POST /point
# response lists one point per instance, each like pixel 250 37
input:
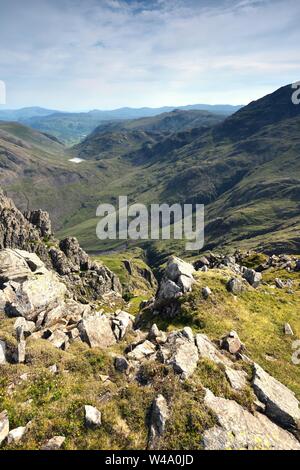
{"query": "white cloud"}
pixel 109 53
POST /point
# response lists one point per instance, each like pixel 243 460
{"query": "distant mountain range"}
pixel 73 127
pixel 245 168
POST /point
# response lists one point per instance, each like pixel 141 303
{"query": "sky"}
pixel 105 54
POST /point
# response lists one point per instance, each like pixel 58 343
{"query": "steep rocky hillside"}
pixel 208 362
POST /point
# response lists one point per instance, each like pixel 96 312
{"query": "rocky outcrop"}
pixel 41 220
pixel 31 232
pixel 17 232
pixel 39 299
pixel 238 429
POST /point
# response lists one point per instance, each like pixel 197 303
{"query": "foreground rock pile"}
pixel 40 301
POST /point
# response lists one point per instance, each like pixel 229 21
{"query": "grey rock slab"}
pixel 281 403
pixel 238 429
pixel 96 331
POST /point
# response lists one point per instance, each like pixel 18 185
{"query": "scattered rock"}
pixel 283 284
pixel 235 286
pixel 2 352
pixel 59 339
pixel 121 364
pixel 288 330
pixel 27 326
pixel 159 416
pixel 232 343
pixel 142 351
pixel 16 435
pixel 238 429
pixel 4 426
pixel 92 417
pixel 206 292
pixel 157 336
pixel 201 263
pixel 253 277
pixel 281 403
pixel 121 323
pixel 53 369
pixel 181 353
pixel 55 443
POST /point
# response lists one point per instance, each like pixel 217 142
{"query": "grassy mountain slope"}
pixel 246 171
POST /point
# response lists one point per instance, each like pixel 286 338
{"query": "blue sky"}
pixel 79 55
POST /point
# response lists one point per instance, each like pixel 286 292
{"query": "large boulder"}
pixel 281 404
pixel 238 429
pixel 37 294
pixel 13 267
pixel 177 267
pixel 95 330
